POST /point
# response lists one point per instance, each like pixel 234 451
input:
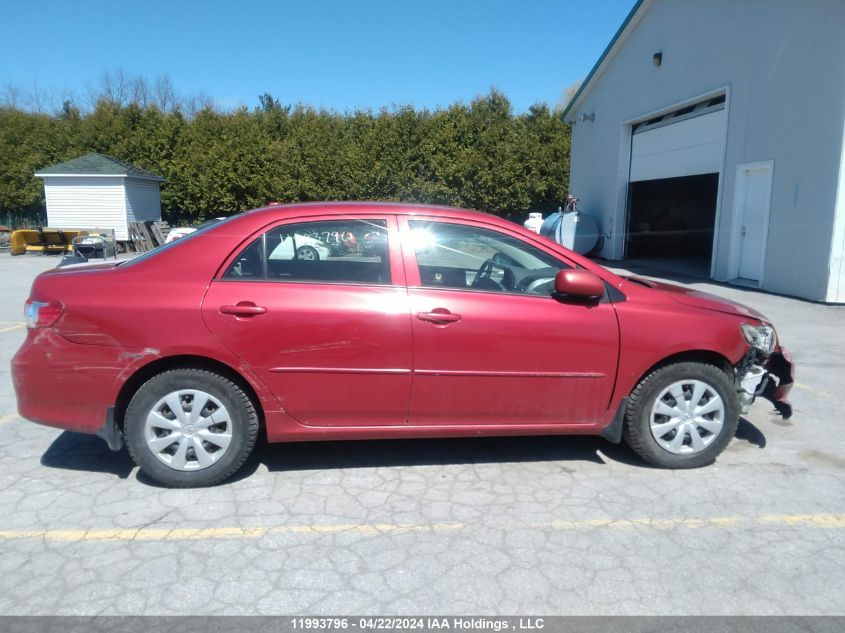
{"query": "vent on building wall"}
pixel 687 112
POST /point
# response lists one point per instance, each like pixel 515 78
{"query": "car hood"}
pixel 702 300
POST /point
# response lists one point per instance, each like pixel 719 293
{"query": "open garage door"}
pixel 676 160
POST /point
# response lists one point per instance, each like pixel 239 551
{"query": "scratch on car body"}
pixel 147 351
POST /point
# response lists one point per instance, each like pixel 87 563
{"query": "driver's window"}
pixel 472 258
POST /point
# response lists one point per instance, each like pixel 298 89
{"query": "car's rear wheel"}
pixel 308 253
pixel 682 415
pixel 190 427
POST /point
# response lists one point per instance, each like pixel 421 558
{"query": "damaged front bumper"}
pixel 771 377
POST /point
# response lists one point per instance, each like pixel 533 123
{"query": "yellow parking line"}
pixel 12 328
pixel 813 390
pixel 824 521
pixel 814 520
pixel 8 417
pixel 645 522
pixel 183 534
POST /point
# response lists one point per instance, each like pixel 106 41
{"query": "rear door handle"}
pixel 439 315
pixel 243 309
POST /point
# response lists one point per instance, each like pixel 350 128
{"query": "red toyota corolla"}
pixel 359 321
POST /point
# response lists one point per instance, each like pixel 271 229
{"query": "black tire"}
pixel 637 430
pixel 307 253
pixel 242 414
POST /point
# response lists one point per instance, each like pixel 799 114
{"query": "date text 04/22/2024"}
pixel 456 623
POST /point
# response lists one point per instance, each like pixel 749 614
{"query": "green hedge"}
pixel 477 155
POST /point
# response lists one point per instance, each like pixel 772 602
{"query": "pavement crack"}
pixel 154 521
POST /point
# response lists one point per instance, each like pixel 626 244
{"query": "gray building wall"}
pixel 782 63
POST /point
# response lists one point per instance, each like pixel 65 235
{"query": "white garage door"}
pixel 688 147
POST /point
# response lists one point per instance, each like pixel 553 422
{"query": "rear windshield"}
pixel 202 228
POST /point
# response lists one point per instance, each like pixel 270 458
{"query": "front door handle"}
pixel 243 309
pixel 439 315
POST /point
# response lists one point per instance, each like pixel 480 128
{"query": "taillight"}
pixel 42 313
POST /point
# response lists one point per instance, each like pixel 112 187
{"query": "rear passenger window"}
pixel 336 251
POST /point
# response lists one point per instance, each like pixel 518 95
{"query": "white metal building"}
pixel 99 191
pixel 712 134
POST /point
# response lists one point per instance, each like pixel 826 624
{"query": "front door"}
pixel 753 191
pixel 319 311
pixel 491 344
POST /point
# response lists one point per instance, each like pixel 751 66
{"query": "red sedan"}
pixel 431 322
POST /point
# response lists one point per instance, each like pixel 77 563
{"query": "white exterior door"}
pixel 752 203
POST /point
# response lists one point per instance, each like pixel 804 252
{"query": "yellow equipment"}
pixel 43 240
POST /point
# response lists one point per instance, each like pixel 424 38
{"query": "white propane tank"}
pixel 534 222
pixel 578 232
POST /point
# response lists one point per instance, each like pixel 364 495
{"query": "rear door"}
pixel 491 344
pixel 318 309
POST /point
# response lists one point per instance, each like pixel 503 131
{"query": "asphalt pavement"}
pixel 470 526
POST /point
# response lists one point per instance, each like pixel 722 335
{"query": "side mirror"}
pixel 578 283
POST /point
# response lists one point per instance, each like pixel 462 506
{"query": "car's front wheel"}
pixel 682 415
pixel 190 427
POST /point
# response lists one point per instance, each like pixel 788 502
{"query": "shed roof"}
pixel 95 164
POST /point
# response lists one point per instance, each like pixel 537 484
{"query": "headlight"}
pixel 761 337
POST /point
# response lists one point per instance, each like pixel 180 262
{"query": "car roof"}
pixel 396 208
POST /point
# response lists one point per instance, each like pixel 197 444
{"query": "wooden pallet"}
pixel 160 230
pixel 146 236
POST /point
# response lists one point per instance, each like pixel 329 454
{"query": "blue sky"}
pixel 339 54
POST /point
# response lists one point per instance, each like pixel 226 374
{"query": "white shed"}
pixel 99 191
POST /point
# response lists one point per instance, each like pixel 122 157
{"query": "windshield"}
pixel 202 228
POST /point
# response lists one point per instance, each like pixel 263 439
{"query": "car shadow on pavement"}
pixel 436 452
pixel 443 452
pixel 77 451
pixel 298 456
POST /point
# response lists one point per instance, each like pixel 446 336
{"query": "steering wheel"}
pixel 533 286
pixel 483 274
